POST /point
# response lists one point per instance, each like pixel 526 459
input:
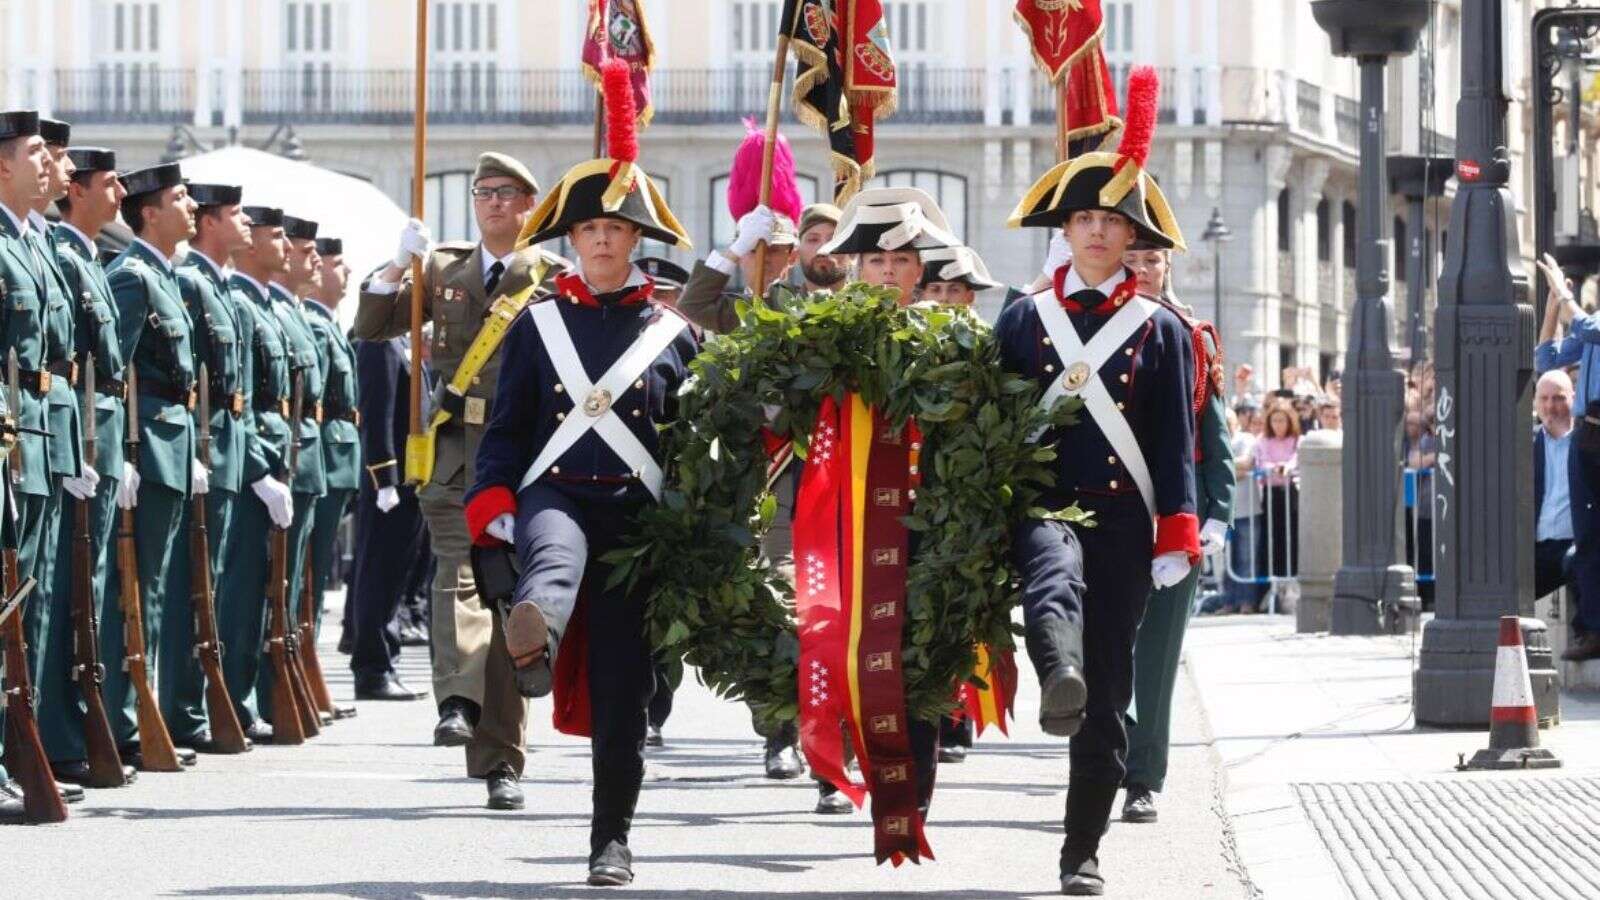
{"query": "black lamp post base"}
pixel 1453 685
pixel 1369 600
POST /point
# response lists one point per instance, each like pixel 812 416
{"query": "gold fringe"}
pixel 1089 45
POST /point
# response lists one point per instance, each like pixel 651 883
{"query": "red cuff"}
pixel 1178 532
pixel 485 506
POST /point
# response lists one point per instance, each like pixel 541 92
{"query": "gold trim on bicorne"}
pixel 550 208
pixel 1046 193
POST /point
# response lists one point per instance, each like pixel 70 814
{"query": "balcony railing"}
pixel 123 95
pixel 1044 95
pixel 1308 106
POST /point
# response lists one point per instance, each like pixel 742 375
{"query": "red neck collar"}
pixel 1123 292
pixel 571 285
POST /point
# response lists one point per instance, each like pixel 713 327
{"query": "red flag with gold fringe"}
pixel 616 30
pixel 870 78
pixel 1066 38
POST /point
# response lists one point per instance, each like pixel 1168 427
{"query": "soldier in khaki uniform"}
pixel 479 706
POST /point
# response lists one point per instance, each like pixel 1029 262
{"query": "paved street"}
pixel 372 810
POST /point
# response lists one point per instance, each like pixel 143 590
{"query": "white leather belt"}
pixel 595 400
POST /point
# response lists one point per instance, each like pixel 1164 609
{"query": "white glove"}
pixel 199 479
pixel 1059 255
pixel 388 498
pixel 1213 537
pixel 755 227
pixel 278 499
pixel 1168 569
pixel 128 488
pixel 415 241
pixel 502 528
pixel 84 485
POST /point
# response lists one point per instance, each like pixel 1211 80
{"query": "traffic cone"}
pixel 1513 721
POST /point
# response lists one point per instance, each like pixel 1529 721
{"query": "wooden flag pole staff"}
pixel 769 147
pixel 419 164
pixel 1062 148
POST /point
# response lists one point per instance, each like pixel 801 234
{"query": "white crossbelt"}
pixel 594 401
pixel 1092 390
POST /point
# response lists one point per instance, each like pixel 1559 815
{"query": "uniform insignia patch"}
pixel 476 411
pixel 1077 376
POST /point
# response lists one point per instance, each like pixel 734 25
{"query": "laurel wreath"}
pixel 713 603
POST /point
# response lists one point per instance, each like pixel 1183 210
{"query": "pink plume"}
pixel 744 179
pixel 1144 94
pixel 616 83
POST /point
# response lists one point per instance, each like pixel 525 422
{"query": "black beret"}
pixel 92 159
pixel 55 132
pixel 216 194
pixel 264 216
pixel 153 179
pixel 330 246
pixel 18 123
pixel 299 229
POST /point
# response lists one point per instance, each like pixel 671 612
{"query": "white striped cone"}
pixel 1513 720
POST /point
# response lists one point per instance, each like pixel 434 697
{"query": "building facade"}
pixel 1259 120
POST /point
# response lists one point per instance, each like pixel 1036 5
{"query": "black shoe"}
pixel 831 801
pixel 1080 876
pixel 12 810
pixel 71 793
pixel 384 686
pixel 71 772
pixel 504 793
pixel 347 711
pixel 953 754
pixel 612 866
pixel 1061 701
pixel 456 715
pixel 201 743
pixel 259 732
pixel 652 736
pixel 783 762
pixel 1139 805
pixel 186 757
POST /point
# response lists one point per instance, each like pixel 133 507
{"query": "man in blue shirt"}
pixel 1580 346
pixel 1552 440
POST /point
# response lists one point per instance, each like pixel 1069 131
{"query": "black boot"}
pixel 611 865
pixel 1088 813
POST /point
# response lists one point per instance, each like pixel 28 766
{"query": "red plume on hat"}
pixel 1144 96
pixel 622 135
pixel 744 179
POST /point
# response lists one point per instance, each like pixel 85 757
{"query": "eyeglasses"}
pixel 506 192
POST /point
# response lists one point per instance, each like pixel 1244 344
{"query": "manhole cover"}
pixel 1467 838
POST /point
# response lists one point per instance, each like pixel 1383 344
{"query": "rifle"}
pixel 310 716
pixel 155 742
pixel 105 766
pixel 41 801
pixel 225 728
pixel 308 643
pixel 287 727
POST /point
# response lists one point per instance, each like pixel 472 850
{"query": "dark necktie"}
pixel 1088 298
pixel 495 271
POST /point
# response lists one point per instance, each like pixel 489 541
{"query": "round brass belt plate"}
pixel 1077 376
pixel 596 404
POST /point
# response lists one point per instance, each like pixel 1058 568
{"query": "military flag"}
pixel 819 85
pixel 870 80
pixel 616 30
pixel 1066 37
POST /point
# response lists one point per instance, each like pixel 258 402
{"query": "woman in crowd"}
pixel 1277 454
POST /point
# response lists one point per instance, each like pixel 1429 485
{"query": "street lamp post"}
pixel 1371 589
pixel 1217 233
pixel 1483 355
pixel 1418 178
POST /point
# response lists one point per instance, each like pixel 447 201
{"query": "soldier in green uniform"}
pixel 306 362
pixel 1166 615
pixel 27 286
pixel 341 439
pixel 157 336
pixel 220 229
pixel 242 583
pixel 91 203
pixel 479 707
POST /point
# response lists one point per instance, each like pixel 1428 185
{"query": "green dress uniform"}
pixel 1166 617
pixel 341 445
pixel 95 331
pixel 53 656
pixel 217 345
pixel 242 584
pixel 158 334
pixel 309 480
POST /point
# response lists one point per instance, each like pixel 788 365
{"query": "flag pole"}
pixel 419 164
pixel 774 100
pixel 1062 148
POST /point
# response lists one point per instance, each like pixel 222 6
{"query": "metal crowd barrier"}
pixel 1421 498
pixel 1257 561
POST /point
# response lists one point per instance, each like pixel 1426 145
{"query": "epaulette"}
pixel 455 247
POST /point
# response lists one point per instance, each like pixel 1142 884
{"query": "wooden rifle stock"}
pixel 287 723
pixel 308 643
pixel 105 765
pixel 226 731
pixel 41 802
pixel 155 742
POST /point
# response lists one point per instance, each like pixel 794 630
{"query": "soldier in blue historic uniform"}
pixel 307 364
pixel 242 585
pixel 389 525
pixel 91 203
pixel 341 417
pixel 221 229
pixel 563 491
pixel 1129 460
pixel 157 335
